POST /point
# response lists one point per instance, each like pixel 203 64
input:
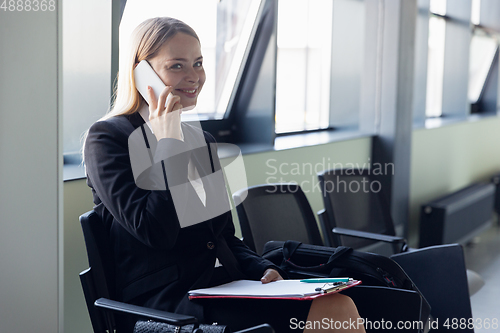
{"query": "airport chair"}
pixel 107 314
pixel 276 212
pixel 440 274
pixel 496 181
pixel 280 212
pixel 358 216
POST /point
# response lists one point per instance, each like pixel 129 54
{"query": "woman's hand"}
pixel 165 120
pixel 270 275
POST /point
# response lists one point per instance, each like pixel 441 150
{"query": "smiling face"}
pixel 179 64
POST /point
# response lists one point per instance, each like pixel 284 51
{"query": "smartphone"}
pixel 145 76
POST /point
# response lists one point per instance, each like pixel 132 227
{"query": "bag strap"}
pixel 290 247
pixel 390 270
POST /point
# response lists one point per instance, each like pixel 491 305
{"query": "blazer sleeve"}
pixel 250 262
pixel 149 215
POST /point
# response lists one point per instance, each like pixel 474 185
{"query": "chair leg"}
pixel 474 281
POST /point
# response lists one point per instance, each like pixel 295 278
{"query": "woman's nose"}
pixel 192 75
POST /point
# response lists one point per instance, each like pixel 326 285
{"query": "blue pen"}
pixel 326 280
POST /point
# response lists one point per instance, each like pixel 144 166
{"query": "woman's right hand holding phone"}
pixel 165 114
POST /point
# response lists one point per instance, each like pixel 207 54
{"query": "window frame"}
pixel 459 31
pixel 486 103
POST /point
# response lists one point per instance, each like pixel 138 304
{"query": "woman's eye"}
pixel 176 66
pixel 198 64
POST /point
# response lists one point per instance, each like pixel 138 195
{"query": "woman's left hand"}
pixel 270 275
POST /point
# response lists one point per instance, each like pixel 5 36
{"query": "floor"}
pixel 483 257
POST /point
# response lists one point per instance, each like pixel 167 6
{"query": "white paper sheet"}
pixel 282 288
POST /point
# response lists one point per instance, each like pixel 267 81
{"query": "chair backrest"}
pixel 97 281
pixel 277 212
pixel 354 199
pixel 440 274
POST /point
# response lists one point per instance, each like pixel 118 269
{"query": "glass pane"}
pixel 348 59
pixel 482 53
pixel 86 80
pixel 303 65
pixel 224 29
pixel 438 7
pixel 476 12
pixel 435 67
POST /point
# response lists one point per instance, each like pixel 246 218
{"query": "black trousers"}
pixel 239 314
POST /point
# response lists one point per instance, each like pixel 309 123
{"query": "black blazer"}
pixel 153 254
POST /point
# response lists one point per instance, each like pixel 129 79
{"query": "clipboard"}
pixel 283 289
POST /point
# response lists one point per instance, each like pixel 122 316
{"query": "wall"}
pixel 448 158
pixel 30 172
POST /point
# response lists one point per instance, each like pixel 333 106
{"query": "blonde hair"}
pixel 146 41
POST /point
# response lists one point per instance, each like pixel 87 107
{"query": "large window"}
pixel 483 65
pixel 483 59
pixel 462 72
pixel 320 66
pixel 224 29
pixel 303 65
pixel 435 69
pixel 437 28
pixel 483 49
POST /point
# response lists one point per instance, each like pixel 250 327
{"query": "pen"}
pixel 326 280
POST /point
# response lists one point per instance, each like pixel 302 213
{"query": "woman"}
pixel 159 257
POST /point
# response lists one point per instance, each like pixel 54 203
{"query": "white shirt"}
pixel 193 175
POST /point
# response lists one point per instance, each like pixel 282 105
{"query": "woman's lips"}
pixel 190 92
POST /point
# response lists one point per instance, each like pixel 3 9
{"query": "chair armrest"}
pixel 323 222
pixel 140 311
pixel 167 317
pixel 263 328
pixel 369 235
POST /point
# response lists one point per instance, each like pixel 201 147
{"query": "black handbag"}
pixel 149 326
pixel 304 260
pixel 301 261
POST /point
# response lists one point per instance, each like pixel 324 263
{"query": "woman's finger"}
pixel 177 106
pixel 163 99
pixel 270 275
pixel 152 99
pixel 171 101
